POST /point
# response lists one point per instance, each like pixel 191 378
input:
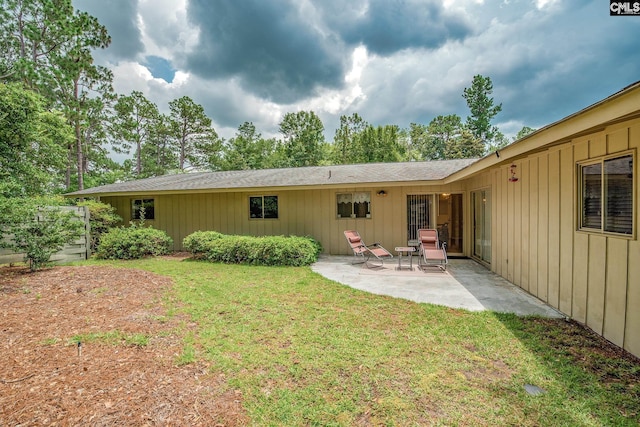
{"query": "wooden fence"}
pixel 76 251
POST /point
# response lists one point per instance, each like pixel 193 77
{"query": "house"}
pixel 555 213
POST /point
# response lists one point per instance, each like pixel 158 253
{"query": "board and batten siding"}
pixel 309 212
pixel 591 277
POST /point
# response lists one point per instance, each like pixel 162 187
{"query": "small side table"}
pixel 406 251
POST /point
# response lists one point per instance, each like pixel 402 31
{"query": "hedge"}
pixel 198 243
pixel 267 250
pixel 133 242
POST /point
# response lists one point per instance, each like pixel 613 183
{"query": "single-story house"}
pixel 555 213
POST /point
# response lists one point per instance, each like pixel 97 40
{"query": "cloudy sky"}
pixel 391 61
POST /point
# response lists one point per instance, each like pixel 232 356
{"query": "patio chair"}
pixel 365 252
pixel 431 252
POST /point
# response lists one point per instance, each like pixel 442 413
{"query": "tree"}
pixel 197 141
pixel 381 144
pixel 465 146
pixel 303 138
pixel 159 154
pixel 32 142
pixel 526 130
pixel 133 125
pixel 47 45
pixel 433 140
pixel 37 228
pixel 83 94
pixel 247 150
pixel 499 141
pixel 482 109
pixel 346 141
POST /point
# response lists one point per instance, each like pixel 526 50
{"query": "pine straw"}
pixel 46 380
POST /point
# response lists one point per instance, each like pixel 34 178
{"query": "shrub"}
pixel 102 217
pixel 198 243
pixel 36 228
pixel 316 244
pixel 268 250
pixel 133 242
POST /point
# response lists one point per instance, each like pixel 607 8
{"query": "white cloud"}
pixel 541 4
pixel 546 59
pixel 130 76
pixel 165 29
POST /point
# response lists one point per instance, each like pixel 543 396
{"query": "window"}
pixel 142 208
pixel 265 207
pixel 606 195
pixel 354 205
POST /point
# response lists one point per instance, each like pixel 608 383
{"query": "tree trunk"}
pixel 67 178
pixel 182 153
pixel 78 133
pixel 138 158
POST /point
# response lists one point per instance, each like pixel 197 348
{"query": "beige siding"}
pixel 525 229
pixel 553 288
pixel 580 277
pixel 616 291
pixel 596 266
pixel 566 241
pixel 592 277
pixel 632 324
pixel 543 228
pixel 532 189
pixel 517 226
pixel 309 212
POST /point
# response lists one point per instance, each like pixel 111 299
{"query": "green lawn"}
pixel 303 350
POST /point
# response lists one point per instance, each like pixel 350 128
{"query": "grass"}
pixel 303 350
pixel 112 338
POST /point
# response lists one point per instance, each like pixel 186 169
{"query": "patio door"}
pixel 419 208
pixel 449 221
pixel 481 205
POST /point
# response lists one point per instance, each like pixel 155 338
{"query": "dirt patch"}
pixel 125 373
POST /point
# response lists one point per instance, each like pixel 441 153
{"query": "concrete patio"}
pixel 466 284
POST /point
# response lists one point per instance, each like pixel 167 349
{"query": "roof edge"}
pixel 556 133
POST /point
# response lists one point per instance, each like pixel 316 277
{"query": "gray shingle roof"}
pixel 290 177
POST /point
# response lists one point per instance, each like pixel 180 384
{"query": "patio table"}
pixel 406 251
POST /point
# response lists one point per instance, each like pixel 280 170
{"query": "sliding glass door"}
pixel 449 221
pixel 440 211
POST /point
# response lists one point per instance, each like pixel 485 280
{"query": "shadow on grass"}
pixel 583 366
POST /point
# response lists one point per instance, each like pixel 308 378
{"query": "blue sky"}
pixel 390 61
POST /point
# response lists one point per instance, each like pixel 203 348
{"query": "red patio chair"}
pixel 365 252
pixel 431 252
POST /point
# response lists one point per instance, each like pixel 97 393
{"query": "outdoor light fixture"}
pixel 382 193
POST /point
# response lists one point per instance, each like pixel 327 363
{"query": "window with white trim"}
pixel 607 195
pixel 353 205
pixel 263 207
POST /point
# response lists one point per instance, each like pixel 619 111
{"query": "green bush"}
pixel 133 242
pixel 102 217
pixel 198 243
pixel 268 250
pixel 37 228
